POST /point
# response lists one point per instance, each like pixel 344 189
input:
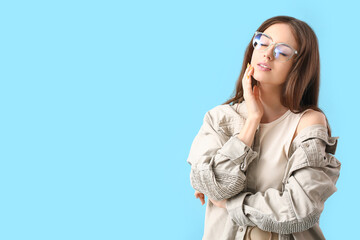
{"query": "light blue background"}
pixel 100 102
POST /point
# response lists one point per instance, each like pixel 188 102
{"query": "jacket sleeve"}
pixel 218 162
pixel 309 182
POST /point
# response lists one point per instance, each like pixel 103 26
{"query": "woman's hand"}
pixel 201 196
pixel 252 96
pixel 220 204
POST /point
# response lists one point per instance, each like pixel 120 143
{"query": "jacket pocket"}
pixel 230 128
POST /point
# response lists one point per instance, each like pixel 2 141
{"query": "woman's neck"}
pixel 270 99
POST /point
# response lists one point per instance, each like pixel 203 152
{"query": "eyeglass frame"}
pixel 276 44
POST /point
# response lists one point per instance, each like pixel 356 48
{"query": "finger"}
pixel 248 84
pixel 256 91
pixel 251 71
pixel 247 69
pixel 248 66
pixel 247 72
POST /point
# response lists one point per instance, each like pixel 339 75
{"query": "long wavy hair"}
pixel 300 91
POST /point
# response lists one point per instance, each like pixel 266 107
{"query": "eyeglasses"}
pixel 282 52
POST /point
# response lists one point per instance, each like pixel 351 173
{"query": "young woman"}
pixel 265 158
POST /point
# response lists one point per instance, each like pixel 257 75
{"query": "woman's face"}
pixel 279 32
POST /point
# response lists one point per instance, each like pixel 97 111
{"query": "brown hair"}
pixel 301 89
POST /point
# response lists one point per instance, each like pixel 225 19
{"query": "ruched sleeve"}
pixel 310 180
pixel 218 162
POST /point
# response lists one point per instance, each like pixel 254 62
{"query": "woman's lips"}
pixel 263 69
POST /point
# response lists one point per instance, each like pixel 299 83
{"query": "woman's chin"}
pixel 259 78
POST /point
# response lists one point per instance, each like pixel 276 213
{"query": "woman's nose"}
pixel 269 53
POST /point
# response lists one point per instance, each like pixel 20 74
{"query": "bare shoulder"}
pixel 309 118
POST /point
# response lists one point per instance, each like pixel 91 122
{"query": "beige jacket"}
pixel 219 160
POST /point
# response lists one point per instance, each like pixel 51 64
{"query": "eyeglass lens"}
pixel 281 52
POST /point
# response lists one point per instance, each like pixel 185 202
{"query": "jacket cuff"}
pixel 234 206
pixel 238 152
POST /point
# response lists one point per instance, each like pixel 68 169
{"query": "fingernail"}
pixel 247 65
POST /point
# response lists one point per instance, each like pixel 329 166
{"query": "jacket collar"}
pixel 316 131
pixel 232 122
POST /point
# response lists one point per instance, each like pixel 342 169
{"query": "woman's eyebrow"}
pixel 269 36
pixel 278 41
